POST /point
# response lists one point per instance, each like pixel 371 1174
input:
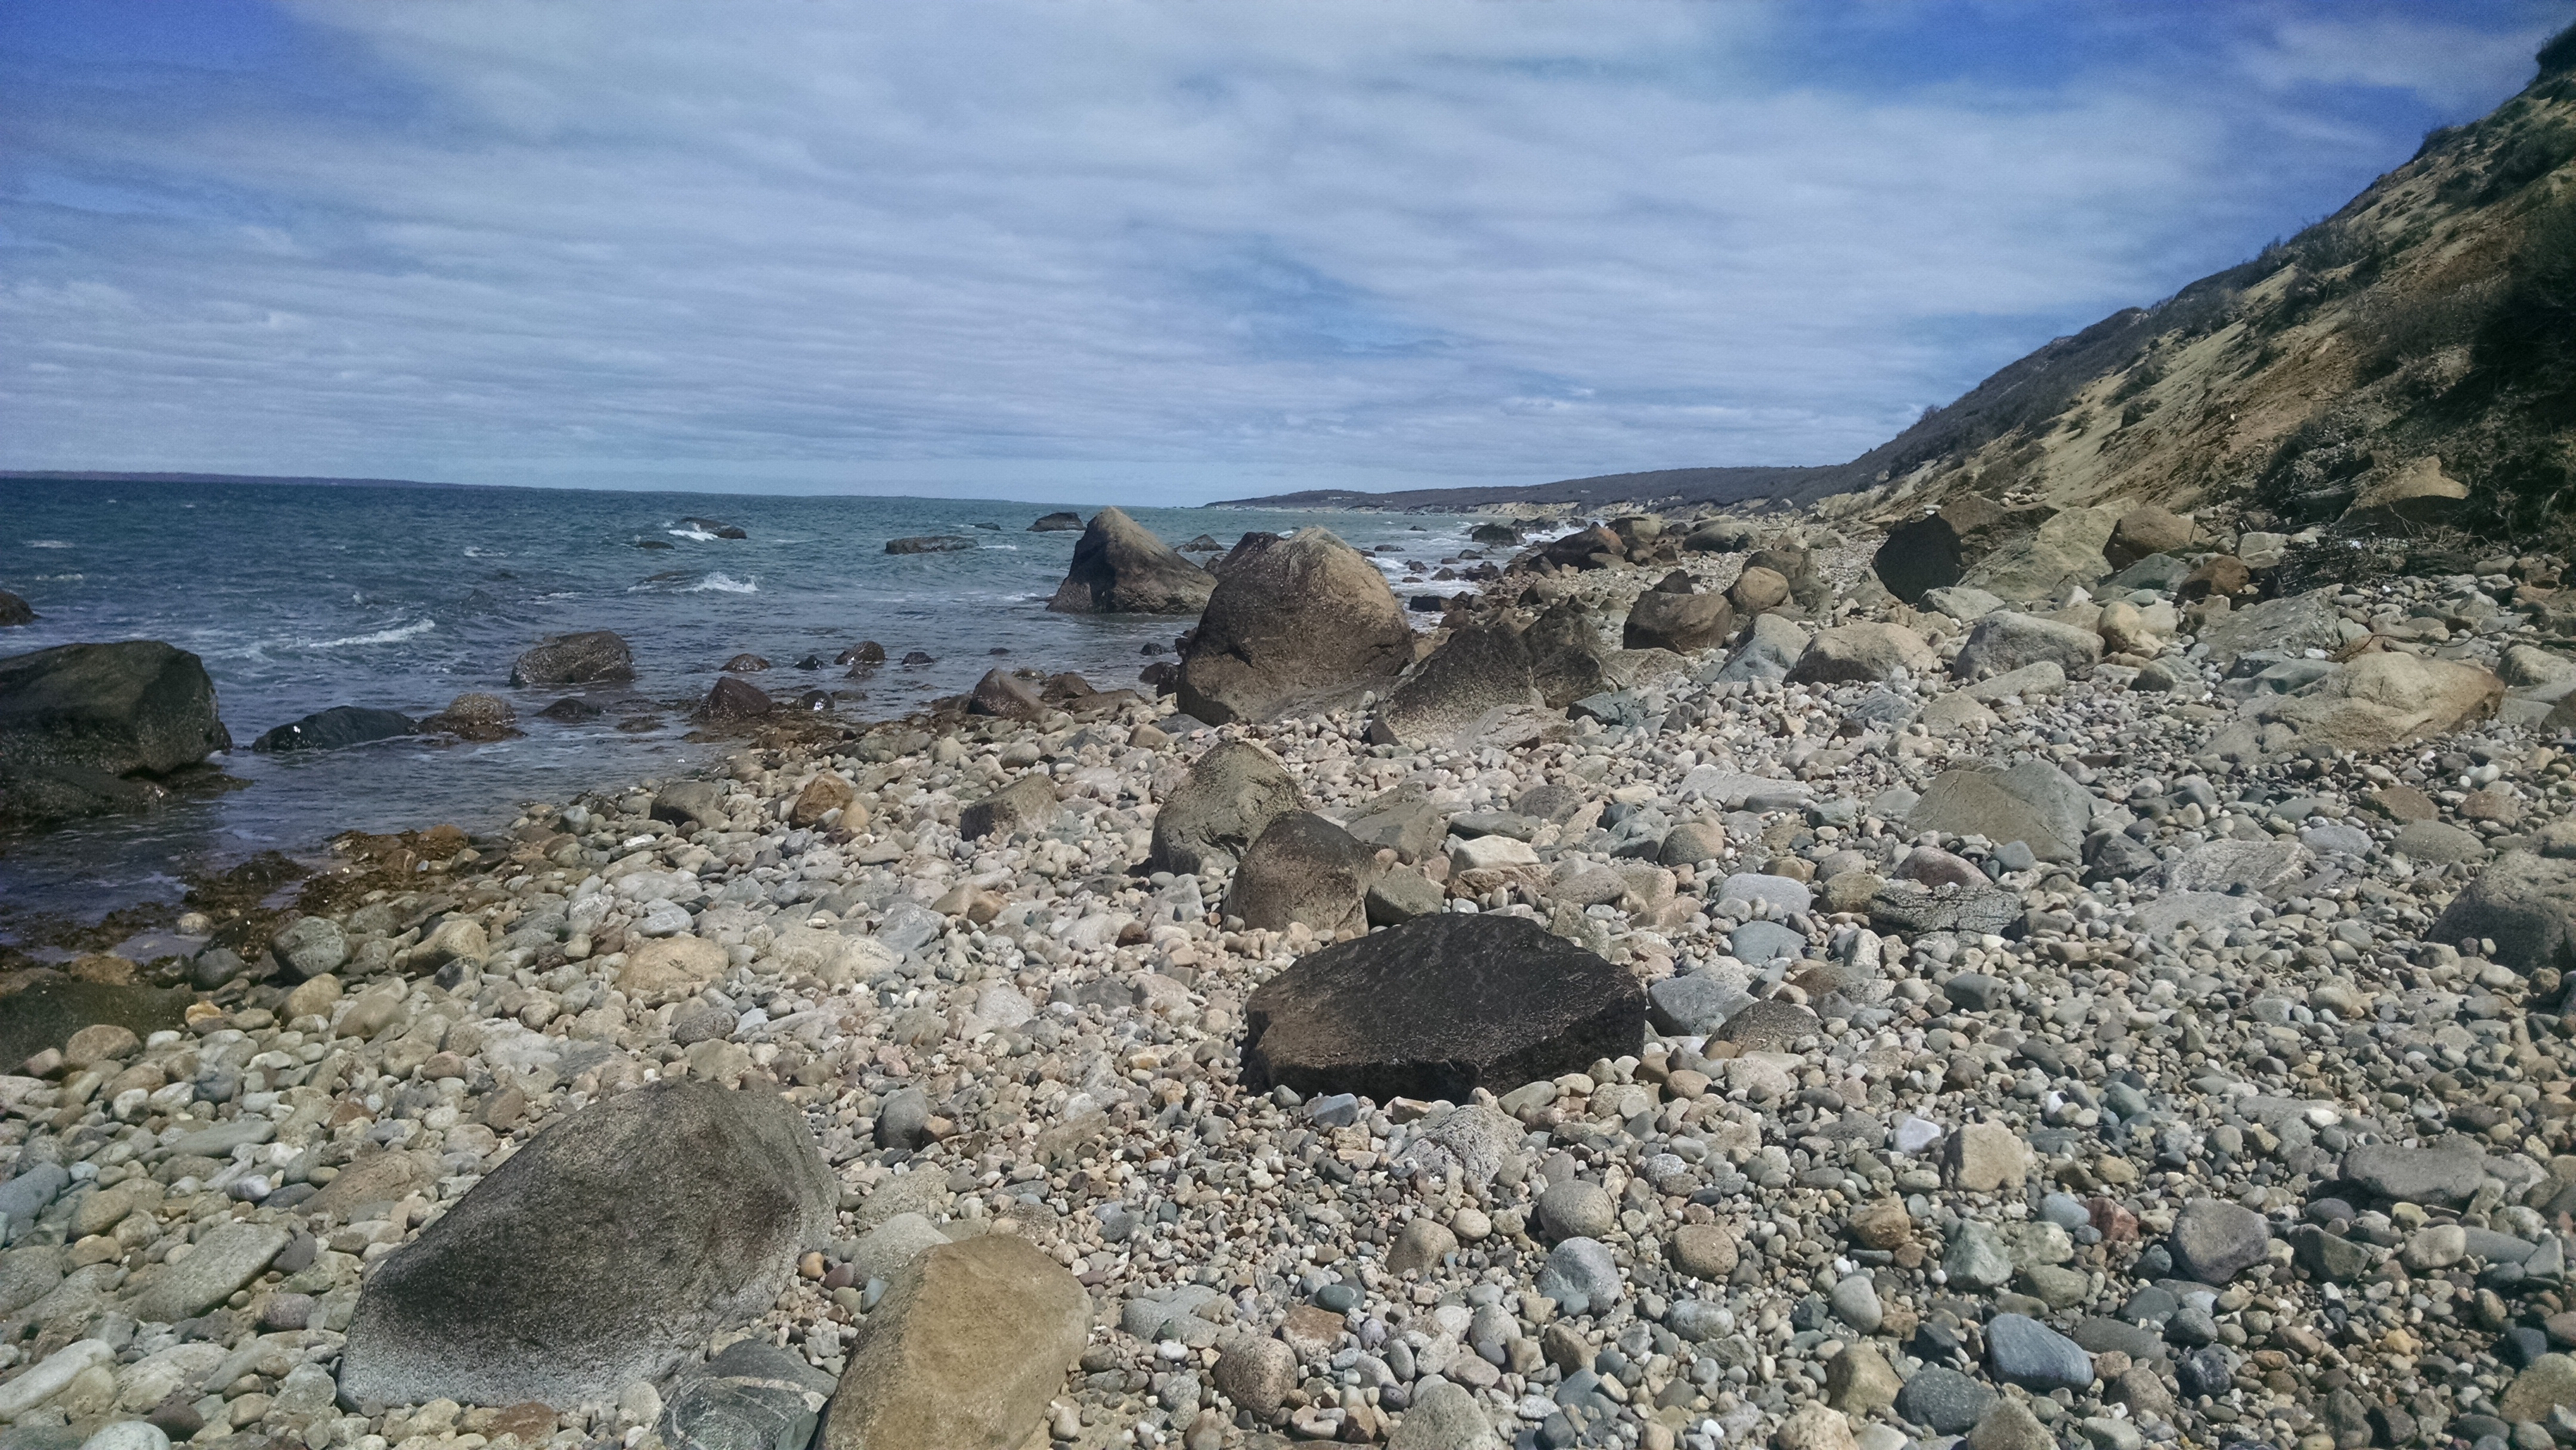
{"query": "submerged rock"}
pixel 338 728
pixel 590 657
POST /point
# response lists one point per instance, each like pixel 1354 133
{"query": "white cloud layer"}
pixel 1178 248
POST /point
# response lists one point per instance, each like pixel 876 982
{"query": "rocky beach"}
pixel 2081 977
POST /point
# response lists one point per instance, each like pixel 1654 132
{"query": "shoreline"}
pixel 1857 1150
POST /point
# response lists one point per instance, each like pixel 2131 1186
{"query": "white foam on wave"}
pixel 701 535
pixel 725 584
pixel 472 552
pixel 48 544
pixel 394 635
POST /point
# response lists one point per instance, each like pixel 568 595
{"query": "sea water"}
pixel 302 597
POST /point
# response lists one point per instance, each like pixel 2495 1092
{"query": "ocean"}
pixel 302 597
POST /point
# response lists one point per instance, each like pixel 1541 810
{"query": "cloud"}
pixel 1171 245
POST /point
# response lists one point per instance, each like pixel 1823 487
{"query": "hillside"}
pixel 2435 314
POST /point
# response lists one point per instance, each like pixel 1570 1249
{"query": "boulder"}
pixel 2413 494
pixel 1860 653
pixel 751 1395
pixel 83 727
pixel 736 699
pixel 1568 659
pixel 14 611
pixel 827 792
pixel 607 1250
pixel 338 728
pixel 1682 623
pixel 2289 625
pixel 1796 564
pixel 1919 556
pixel 1494 534
pixel 1593 548
pixel 970 1343
pixel 1403 819
pixel 2065 550
pixel 2526 903
pixel 2145 531
pixel 574 659
pixel 1025 805
pixel 2033 802
pixel 475 715
pixel 930 544
pixel 1063 521
pixel 1303 868
pixel 1480 670
pixel 1294 624
pixel 1757 589
pixel 1771 645
pixel 2004 641
pixel 1119 567
pixel 1437 1006
pixel 49 1012
pixel 1233 794
pixel 691 803
pixel 2379 701
pixel 998 695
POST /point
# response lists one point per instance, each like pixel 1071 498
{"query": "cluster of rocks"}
pixel 1691 997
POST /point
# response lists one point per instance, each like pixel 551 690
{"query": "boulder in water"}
pixel 84 728
pixel 1119 567
pixel 14 610
pixel 338 728
pixel 572 709
pixel 586 658
pixel 736 699
pixel 1062 521
pixel 746 664
pixel 607 1250
pixel 1437 1006
pixel 1203 544
pixel 717 527
pixel 1494 534
pixel 1294 624
pixel 475 716
pixel 930 544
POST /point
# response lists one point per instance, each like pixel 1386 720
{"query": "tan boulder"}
pixel 2145 530
pixel 1295 624
pixel 2415 492
pixel 972 1341
pixel 824 794
pixel 670 969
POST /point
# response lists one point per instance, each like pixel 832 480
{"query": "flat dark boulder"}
pixel 1061 522
pixel 716 527
pixel 585 658
pixel 930 544
pixel 338 728
pixel 14 610
pixel 138 706
pixel 734 698
pixel 1437 1006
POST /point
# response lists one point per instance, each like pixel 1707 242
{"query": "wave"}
pixel 48 544
pixel 724 584
pixel 383 636
pixel 701 535
pixel 471 552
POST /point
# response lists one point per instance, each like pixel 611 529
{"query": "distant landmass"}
pixel 1656 487
pixel 65 475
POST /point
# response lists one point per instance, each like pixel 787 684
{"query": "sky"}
pixel 1150 252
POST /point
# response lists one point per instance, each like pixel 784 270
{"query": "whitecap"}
pixel 725 584
pixel 701 535
pixel 383 636
pixel 471 552
pixel 48 544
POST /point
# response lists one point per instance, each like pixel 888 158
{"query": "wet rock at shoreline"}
pixel 591 657
pixel 1119 567
pixel 86 728
pixel 14 611
pixel 338 728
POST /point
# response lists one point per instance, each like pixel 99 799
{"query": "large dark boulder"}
pixel 607 1250
pixel 1440 1005
pixel 1592 548
pixel 1568 659
pixel 338 728
pixel 1233 794
pixel 1295 624
pixel 1919 556
pixel 1001 696
pixel 85 727
pixel 1064 521
pixel 734 698
pixel 14 610
pixel 1479 669
pixel 1303 868
pixel 1119 567
pixel 586 658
